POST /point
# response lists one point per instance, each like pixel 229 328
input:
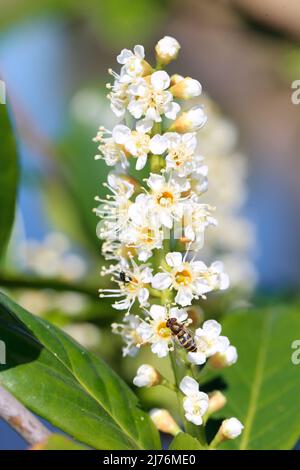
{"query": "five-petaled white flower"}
pixel 195 403
pixel 134 286
pixel 163 200
pixel 181 156
pixel 128 331
pixel 208 342
pixel 191 279
pixel 151 99
pixel 154 329
pixel 138 143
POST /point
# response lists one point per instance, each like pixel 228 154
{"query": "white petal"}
pixel 179 313
pixel 144 125
pixel 195 419
pixel 141 162
pixel 173 110
pixel 158 312
pixel 161 281
pixel 196 358
pixel 124 56
pixel 211 328
pixel 160 348
pixel 184 296
pixel 121 133
pixel 174 259
pixel 139 51
pixel 143 295
pixel 160 80
pixel 158 144
pixel 188 386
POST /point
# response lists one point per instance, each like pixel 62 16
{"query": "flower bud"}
pixel 146 376
pixel 189 121
pixel 186 88
pixel 230 428
pixel 216 402
pixel 224 359
pixel 166 50
pixel 176 78
pixel 164 422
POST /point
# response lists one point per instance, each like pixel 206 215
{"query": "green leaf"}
pixel 8 178
pixel 70 387
pixel 184 441
pixel 58 442
pixel 264 385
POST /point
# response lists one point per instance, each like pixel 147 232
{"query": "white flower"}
pixel 146 376
pixel 134 287
pixel 150 98
pixel 208 342
pixel 163 201
pixel 109 146
pixel 164 422
pixel 195 403
pixel 138 143
pixel 190 121
pixel 224 359
pixel 133 63
pixel 154 329
pixel 191 279
pixel 197 217
pixel 114 209
pixel 128 331
pixel 231 428
pixel 186 88
pixel 167 49
pixel 181 154
pixel 142 234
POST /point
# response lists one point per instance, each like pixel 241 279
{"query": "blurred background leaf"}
pixel 8 178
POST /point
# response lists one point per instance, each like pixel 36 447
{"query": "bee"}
pixel 124 278
pixel 183 336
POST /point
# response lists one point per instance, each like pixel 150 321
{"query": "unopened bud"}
pixel 216 402
pixel 224 359
pixel 190 121
pixel 164 422
pixel 146 376
pixel 166 50
pixel 231 428
pixel 186 89
pixel 176 78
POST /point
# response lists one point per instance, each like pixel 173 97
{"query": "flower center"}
pixel 163 331
pixel 166 198
pixel 183 277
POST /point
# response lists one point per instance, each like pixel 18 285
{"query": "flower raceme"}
pixel 150 225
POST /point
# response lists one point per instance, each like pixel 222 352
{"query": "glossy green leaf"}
pixel 184 441
pixel 58 442
pixel 264 385
pixel 70 387
pixel 8 178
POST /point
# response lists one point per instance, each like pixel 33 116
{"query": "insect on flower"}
pixel 183 335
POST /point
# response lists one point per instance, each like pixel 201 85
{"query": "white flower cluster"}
pixel 150 227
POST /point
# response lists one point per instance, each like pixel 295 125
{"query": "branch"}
pixel 21 419
pixel 17 281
